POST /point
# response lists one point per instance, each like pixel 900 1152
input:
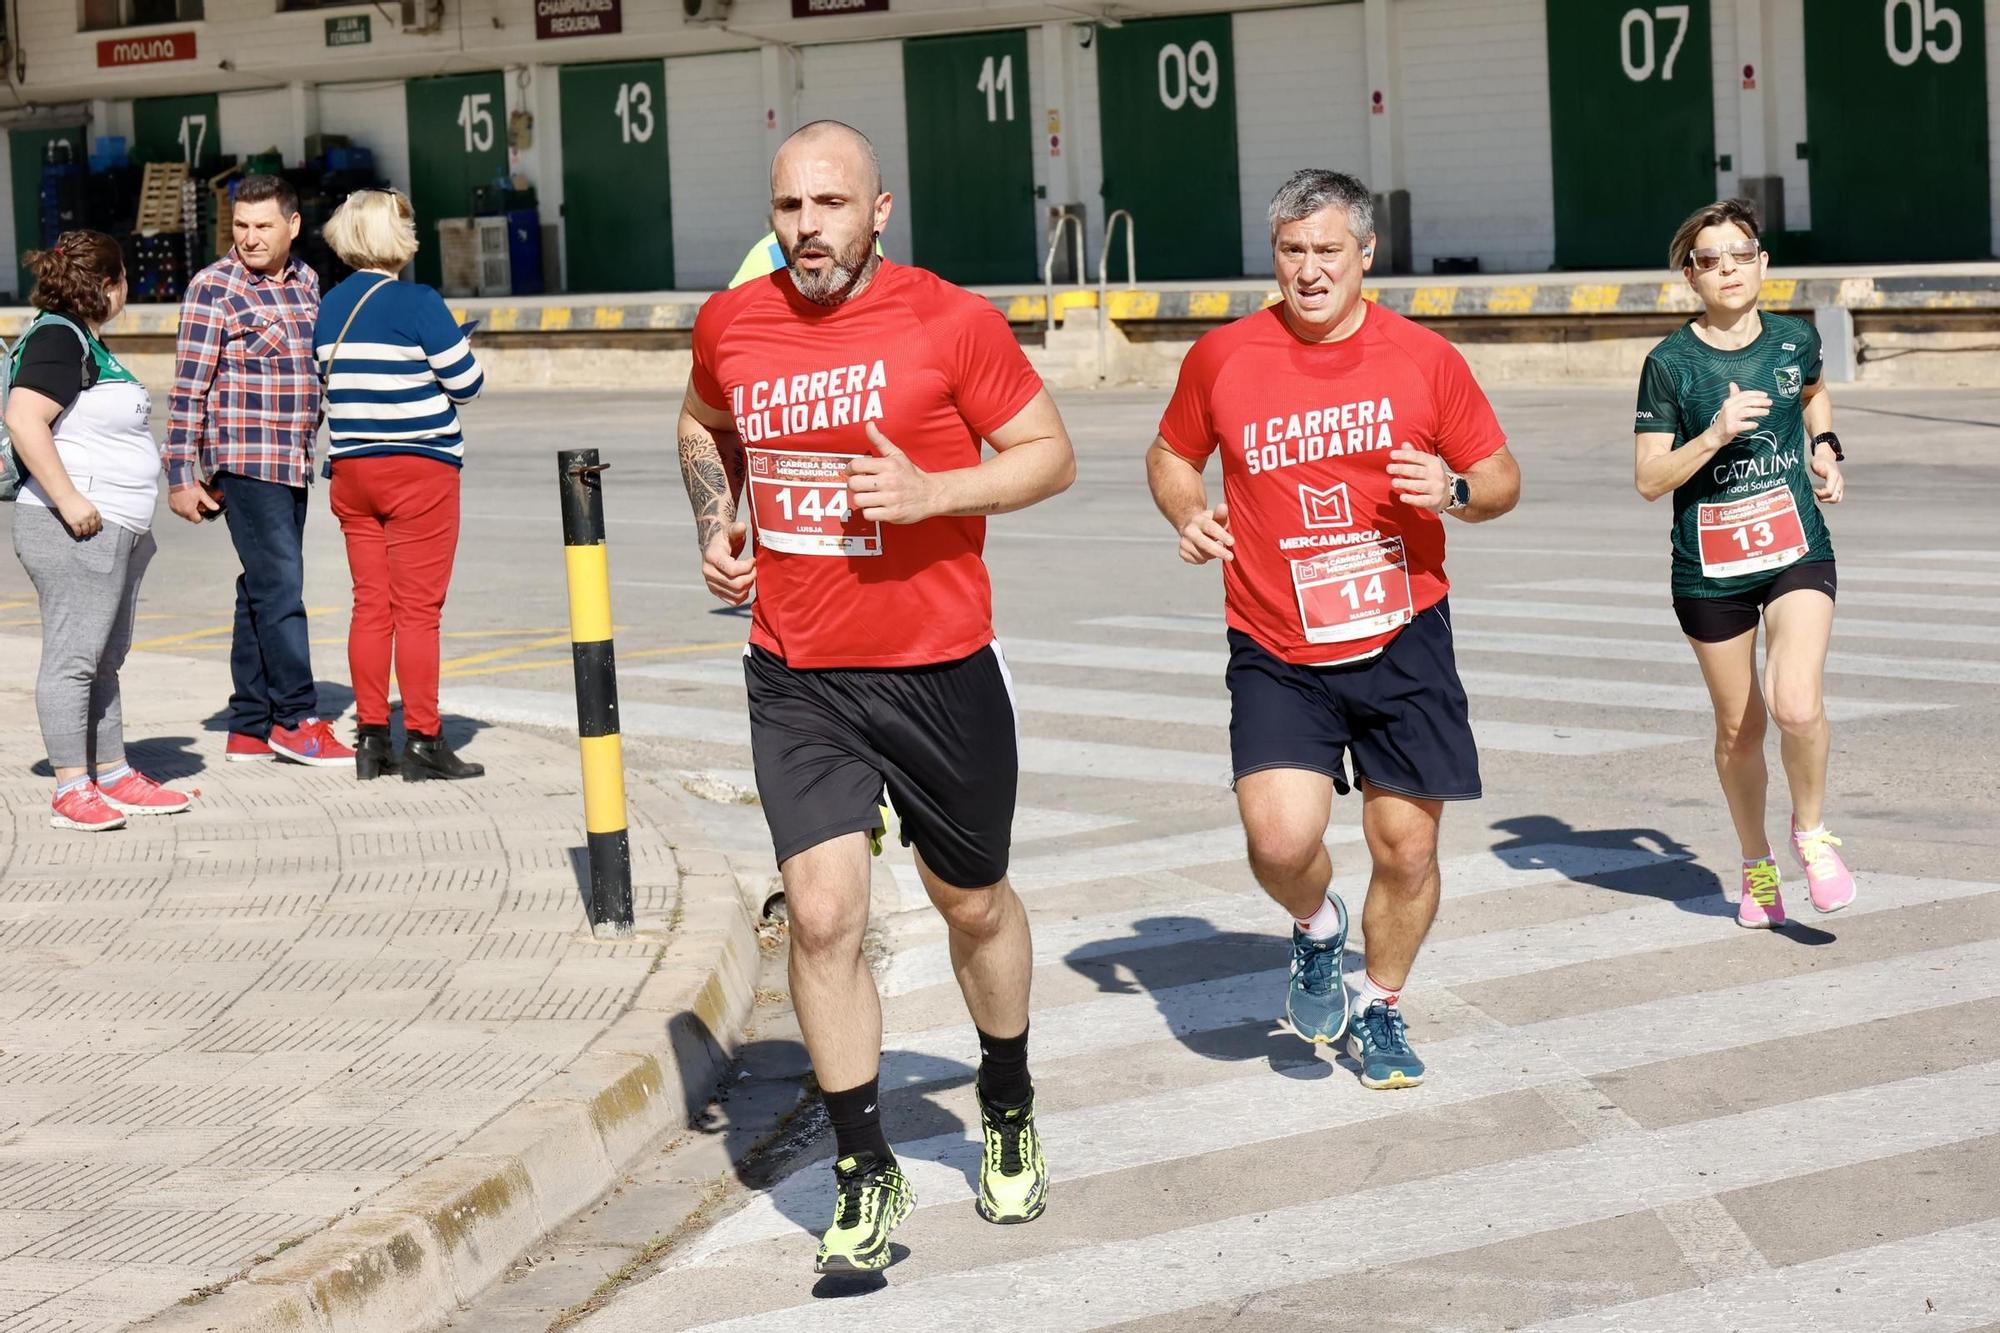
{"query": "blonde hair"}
pixel 374 229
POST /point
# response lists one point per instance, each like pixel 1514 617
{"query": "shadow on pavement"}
pixel 1179 960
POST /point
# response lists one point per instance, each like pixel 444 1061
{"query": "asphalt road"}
pixel 1639 1115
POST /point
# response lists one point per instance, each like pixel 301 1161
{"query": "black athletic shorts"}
pixel 941 738
pixel 1400 715
pixel 1719 619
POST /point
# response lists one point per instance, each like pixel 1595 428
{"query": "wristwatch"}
pixel 1831 441
pixel 1461 491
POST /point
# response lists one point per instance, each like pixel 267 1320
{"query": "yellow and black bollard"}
pixel 589 568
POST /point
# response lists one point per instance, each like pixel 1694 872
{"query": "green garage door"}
pixel 1631 127
pixel 972 156
pixel 177 129
pixel 1166 91
pixel 618 221
pixel 458 141
pixel 1896 123
pixel 24 154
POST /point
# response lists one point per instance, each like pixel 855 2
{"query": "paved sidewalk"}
pixel 224 1030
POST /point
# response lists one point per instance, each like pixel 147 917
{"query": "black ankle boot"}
pixel 427 757
pixel 372 755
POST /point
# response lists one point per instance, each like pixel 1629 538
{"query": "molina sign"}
pixel 116 51
pixel 577 18
pixel 815 9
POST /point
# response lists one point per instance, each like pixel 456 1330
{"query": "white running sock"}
pixel 111 777
pixel 1372 992
pixel 1325 923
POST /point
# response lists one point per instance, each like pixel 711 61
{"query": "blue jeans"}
pixel 271 655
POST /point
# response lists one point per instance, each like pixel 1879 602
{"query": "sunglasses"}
pixel 1708 258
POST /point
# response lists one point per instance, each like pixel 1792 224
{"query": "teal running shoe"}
pixel 1381 1046
pixel 1316 999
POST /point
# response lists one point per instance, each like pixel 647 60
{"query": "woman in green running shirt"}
pixel 1735 422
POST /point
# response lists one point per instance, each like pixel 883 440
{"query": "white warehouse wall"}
pixel 1301 101
pixel 1475 118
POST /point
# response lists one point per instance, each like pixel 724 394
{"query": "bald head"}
pixel 827 208
pixel 836 144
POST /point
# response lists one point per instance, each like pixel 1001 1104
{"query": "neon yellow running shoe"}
pixel 1013 1175
pixel 874 1196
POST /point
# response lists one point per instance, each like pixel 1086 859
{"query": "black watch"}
pixel 1461 492
pixel 1831 441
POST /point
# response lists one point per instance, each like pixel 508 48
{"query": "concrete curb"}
pixel 406 1260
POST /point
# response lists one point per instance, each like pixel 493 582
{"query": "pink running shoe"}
pixel 137 794
pixel 1761 908
pixel 1829 883
pixel 84 808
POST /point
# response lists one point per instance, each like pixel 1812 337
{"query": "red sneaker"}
pixel 137 794
pixel 310 742
pixel 84 808
pixel 246 749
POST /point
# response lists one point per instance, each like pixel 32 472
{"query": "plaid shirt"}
pixel 246 385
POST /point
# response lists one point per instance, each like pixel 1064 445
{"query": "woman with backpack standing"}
pixel 78 422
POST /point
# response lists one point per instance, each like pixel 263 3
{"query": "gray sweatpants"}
pixel 89 592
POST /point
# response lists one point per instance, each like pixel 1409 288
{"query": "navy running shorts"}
pixel 1400 716
pixel 941 739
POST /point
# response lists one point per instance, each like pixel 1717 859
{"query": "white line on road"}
pixel 1940 1283
pixel 1653 592
pixel 1662 653
pixel 1092 1286
pixel 1466 958
pixel 1184 1123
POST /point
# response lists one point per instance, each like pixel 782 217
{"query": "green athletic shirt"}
pixel 1680 391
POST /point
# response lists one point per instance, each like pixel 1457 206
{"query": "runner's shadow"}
pixel 1666 868
pixel 1221 994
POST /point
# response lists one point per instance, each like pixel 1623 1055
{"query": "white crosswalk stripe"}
pixel 1162 918
pixel 1901 599
pixel 1189 1122
pixel 1095 1285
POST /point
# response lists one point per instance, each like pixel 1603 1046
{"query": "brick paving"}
pixel 222 1030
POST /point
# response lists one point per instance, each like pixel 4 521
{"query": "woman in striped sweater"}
pixel 397 367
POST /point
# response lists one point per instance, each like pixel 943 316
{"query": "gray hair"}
pixel 1314 189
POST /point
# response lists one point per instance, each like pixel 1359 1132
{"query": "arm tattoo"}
pixel 713 479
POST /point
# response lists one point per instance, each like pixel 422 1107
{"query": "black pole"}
pixel 588 566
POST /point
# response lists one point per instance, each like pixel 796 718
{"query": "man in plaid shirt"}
pixel 246 406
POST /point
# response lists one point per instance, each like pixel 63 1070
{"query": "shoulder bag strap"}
pixel 327 369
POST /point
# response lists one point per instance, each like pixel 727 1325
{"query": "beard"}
pixel 834 283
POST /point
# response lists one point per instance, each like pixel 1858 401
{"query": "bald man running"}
pixel 852 395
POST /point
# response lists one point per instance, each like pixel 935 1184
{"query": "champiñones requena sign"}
pixel 578 18
pixel 149 50
pixel 818 9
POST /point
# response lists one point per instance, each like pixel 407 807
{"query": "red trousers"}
pixel 399 514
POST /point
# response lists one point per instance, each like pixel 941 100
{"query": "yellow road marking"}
pixel 167 640
pixel 493 654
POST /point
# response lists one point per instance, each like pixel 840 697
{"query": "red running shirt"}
pixel 937 370
pixel 1329 563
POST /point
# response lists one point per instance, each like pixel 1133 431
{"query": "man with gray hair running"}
pixel 1347 433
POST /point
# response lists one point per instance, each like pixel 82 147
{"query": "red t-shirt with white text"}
pixel 1329 564
pixel 937 370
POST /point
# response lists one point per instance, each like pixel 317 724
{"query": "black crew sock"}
pixel 1003 1070
pixel 857 1122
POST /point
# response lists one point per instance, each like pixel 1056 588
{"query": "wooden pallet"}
pixel 160 199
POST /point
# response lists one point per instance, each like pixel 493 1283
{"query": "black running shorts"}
pixel 1719 619
pixel 1400 715
pixel 940 738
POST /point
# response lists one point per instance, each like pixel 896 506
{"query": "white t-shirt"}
pixel 105 440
